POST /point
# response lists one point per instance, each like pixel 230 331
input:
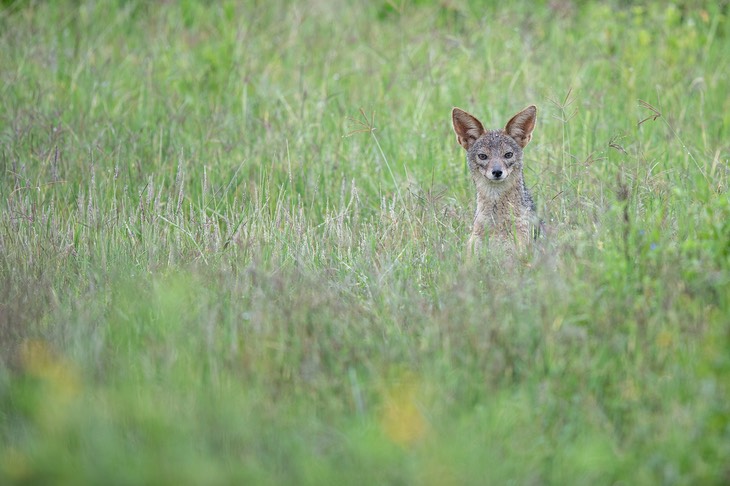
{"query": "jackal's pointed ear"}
pixel 521 125
pixel 468 129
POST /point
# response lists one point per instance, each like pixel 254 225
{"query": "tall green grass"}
pixel 232 244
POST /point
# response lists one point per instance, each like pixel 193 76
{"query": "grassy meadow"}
pixel 232 241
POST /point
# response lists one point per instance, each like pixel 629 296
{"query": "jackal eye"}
pixel 482 156
pixel 508 155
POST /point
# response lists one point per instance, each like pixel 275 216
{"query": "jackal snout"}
pixel 494 170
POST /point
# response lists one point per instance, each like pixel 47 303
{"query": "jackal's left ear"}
pixel 521 125
pixel 468 129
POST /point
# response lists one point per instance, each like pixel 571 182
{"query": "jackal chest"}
pixel 502 217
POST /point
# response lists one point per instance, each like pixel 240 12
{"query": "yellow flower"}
pixel 60 378
pixel 15 464
pixel 664 339
pixel 401 418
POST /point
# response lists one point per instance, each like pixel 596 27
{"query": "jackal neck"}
pixel 489 193
pixel 502 209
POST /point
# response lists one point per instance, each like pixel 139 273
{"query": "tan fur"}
pixel 505 210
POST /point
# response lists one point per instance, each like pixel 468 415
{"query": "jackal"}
pixel 505 208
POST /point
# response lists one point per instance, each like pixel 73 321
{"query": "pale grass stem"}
pixel 657 114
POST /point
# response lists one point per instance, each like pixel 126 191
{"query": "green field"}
pixel 232 244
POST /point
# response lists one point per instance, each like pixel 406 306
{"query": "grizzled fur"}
pixel 505 209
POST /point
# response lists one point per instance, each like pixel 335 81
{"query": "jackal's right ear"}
pixel 468 129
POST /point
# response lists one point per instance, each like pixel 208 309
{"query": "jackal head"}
pixel 494 154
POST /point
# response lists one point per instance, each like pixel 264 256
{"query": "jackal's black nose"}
pixel 497 174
